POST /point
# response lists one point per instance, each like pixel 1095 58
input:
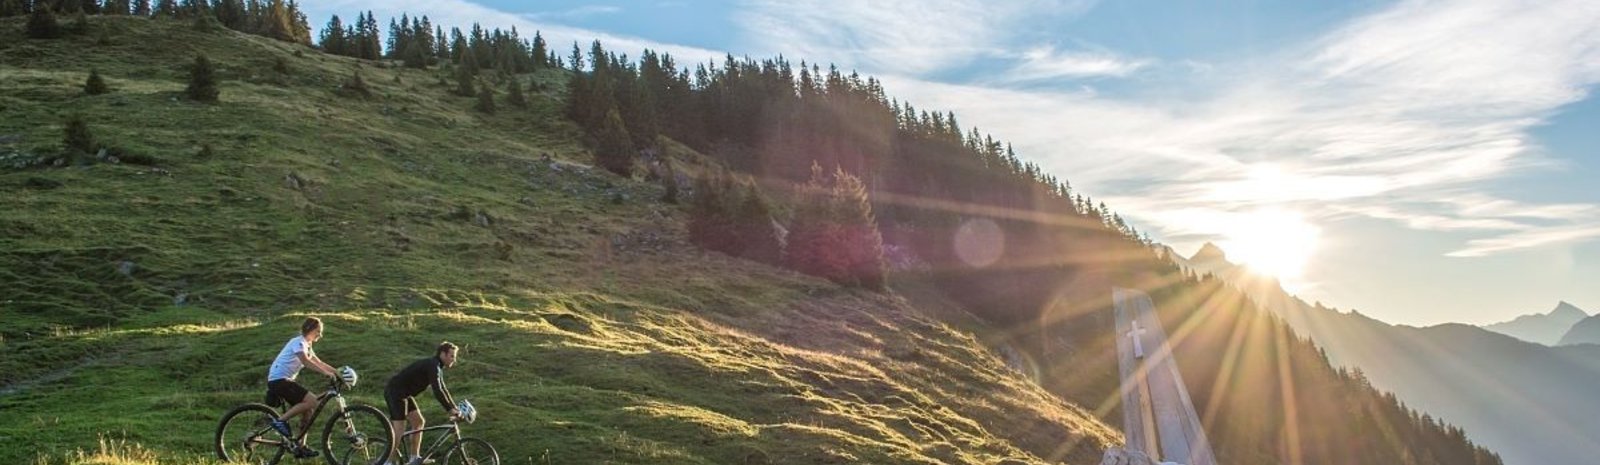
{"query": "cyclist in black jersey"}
pixel 415 378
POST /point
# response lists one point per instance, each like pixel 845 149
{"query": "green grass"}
pixel 143 300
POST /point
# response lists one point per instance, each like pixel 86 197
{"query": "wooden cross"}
pixel 1136 334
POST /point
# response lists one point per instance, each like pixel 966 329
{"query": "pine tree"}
pixel 95 85
pixel 710 222
pixel 464 83
pixel 861 239
pixel 202 81
pixel 115 7
pixel 669 181
pixel 333 40
pixel 80 23
pixel 76 139
pixel 299 26
pixel 485 99
pixel 441 50
pixel 42 24
pixel 812 232
pixel 278 22
pixel 9 8
pixel 141 8
pixel 540 49
pixel 514 93
pixel 414 55
pixel 614 150
pixel 758 239
pixel 166 9
pixel 834 234
pixel 203 23
pixel 231 14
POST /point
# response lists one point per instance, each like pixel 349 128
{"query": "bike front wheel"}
pixel 245 435
pixel 360 435
pixel 472 451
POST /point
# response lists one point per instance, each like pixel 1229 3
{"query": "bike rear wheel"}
pixel 360 435
pixel 472 451
pixel 245 435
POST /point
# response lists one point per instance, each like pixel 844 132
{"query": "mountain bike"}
pixel 356 434
pixel 461 450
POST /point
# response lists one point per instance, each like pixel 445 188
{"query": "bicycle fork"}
pixel 349 424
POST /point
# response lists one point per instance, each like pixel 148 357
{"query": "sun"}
pixel 1277 243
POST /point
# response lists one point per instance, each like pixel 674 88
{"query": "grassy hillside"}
pixel 145 297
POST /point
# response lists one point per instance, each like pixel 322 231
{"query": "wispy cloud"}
pixel 1527 239
pixel 578 13
pixel 1045 62
pixel 894 36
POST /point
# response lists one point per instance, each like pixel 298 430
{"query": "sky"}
pixel 1422 162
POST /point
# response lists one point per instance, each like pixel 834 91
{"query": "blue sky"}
pixel 1439 158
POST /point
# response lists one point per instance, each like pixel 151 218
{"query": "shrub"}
pixel 514 94
pixel 614 150
pixel 669 181
pixel 356 86
pixel 202 81
pixel 485 100
pixel 95 85
pixel 42 24
pixel 76 139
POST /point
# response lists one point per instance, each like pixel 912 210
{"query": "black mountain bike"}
pixel 461 450
pixel 357 434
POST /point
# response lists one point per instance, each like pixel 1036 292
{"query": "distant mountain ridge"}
pixel 1531 403
pixel 1543 328
pixel 1585 331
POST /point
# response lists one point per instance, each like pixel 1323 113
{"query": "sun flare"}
pixel 1276 243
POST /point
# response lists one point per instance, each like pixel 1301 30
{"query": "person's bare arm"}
pixel 314 362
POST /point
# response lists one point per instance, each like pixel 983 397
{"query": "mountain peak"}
pixel 1569 309
pixel 1209 251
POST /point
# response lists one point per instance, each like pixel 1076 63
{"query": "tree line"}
pixel 272 18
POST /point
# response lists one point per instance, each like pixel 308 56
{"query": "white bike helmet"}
pixel 465 410
pixel 348 376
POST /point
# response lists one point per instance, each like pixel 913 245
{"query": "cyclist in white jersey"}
pixel 281 385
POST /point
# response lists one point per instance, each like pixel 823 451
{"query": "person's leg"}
pixel 417 422
pixel 396 408
pixel 399 430
pixel 302 409
pixel 296 396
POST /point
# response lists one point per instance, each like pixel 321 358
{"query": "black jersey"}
pixel 420 375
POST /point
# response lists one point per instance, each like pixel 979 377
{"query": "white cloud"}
pixel 890 36
pixel 1045 62
pixel 579 12
pixel 1527 239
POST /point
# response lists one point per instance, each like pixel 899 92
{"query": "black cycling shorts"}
pixel 399 406
pixel 285 390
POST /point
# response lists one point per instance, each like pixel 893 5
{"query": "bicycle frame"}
pixel 428 453
pixel 322 401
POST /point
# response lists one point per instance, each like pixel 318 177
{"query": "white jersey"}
pixel 287 365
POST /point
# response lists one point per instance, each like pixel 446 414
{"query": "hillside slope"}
pixel 148 295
